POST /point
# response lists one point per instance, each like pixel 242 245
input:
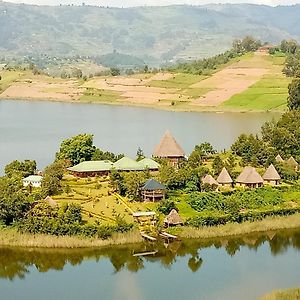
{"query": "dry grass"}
pixel 12 238
pixel 232 229
pixel 292 294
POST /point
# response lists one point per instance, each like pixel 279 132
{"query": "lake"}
pixel 228 269
pixel 34 130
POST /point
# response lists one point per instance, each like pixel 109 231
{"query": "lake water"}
pixel 237 268
pixel 34 130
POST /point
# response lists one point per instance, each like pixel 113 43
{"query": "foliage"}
pixel 20 168
pixel 51 183
pixel 140 154
pixel 14 202
pixel 200 153
pixel 294 94
pixel 217 164
pixel 106 155
pixel 115 71
pixel 166 206
pixel 77 149
pixel 132 182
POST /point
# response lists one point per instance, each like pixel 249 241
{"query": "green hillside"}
pixel 152 34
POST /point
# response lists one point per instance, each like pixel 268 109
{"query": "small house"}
pixel 127 164
pixel 279 159
pixel 33 181
pixel 150 164
pixel 250 178
pixel 209 180
pixel 271 176
pixel 173 219
pixel 153 191
pixel 169 149
pixel 291 162
pixel 50 201
pixel 92 168
pixel 224 178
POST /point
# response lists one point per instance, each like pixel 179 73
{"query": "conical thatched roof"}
pixel 292 162
pixel 50 201
pixel 224 177
pixel 271 174
pixel 173 218
pixel 249 175
pixel 168 147
pixel 279 159
pixel 208 179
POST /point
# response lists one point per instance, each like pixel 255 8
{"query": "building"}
pixel 271 176
pixel 291 162
pixel 33 181
pixel 127 164
pixel 92 168
pixel 208 179
pixel 150 164
pixel 224 179
pixel 173 219
pixel 250 178
pixel 153 191
pixel 169 149
pixel 279 159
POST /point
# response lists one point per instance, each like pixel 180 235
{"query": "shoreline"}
pixel 197 109
pixel 10 237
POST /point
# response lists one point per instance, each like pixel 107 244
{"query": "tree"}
pixel 20 168
pixel 115 71
pixel 139 154
pixel 77 73
pixel 294 94
pixel 217 165
pixel 133 181
pixel 201 152
pixel 51 183
pixel 14 203
pixel 106 155
pixel 77 149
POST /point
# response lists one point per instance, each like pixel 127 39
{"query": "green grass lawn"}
pixel 8 77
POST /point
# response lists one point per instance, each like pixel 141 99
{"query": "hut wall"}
pixel 152 196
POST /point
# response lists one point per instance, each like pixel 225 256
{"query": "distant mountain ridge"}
pixel 153 34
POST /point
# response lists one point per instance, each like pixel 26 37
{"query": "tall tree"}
pixel 77 149
pixel 294 94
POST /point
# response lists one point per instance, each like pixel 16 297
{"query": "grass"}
pixel 11 237
pixel 291 294
pixel 233 229
pixel 99 95
pixel 178 81
pixel 269 93
pixel 8 77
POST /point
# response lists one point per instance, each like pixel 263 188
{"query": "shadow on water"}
pixel 17 262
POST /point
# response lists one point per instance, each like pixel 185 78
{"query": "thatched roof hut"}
pixel 292 162
pixel 271 174
pixel 168 147
pixel 173 218
pixel 250 178
pixel 50 201
pixel 208 179
pixel 224 178
pixel 279 159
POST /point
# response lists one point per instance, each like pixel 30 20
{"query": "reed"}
pixel 291 294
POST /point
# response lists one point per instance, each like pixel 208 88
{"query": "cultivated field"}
pixel 253 82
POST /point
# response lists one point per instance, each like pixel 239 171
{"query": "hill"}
pixel 152 34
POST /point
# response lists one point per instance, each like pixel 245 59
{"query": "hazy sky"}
pixel 126 3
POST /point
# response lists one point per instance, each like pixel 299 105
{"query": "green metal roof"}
pixel 127 164
pixel 152 185
pixel 148 163
pixel 93 166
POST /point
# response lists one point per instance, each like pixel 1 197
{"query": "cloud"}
pixel 128 3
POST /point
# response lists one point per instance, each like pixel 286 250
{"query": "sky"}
pixel 129 3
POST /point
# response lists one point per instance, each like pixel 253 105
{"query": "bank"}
pixel 10 237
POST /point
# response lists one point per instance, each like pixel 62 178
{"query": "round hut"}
pixel 169 148
pixel 224 178
pixel 291 162
pixel 153 191
pixel 209 180
pixel 271 176
pixel 279 159
pixel 250 178
pixel 173 219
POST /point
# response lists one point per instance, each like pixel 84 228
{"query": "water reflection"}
pixel 17 263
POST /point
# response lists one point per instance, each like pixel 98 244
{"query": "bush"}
pixel 166 206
